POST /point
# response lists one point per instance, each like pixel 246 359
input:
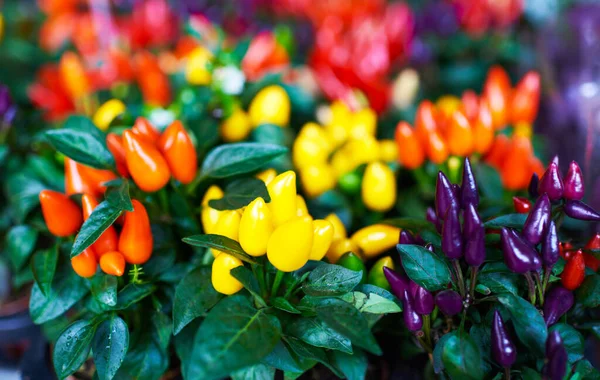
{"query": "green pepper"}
pixel 351 261
pixel 376 275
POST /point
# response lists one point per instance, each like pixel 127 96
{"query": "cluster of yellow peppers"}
pixel 323 155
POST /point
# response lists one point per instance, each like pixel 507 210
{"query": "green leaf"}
pixel 109 346
pixel 73 347
pixel 194 296
pixel 438 364
pixel 424 267
pixel 233 159
pixel 489 181
pixel 184 342
pixel 371 303
pixel 234 335
pixel 412 224
pixel 527 321
pixel 23 194
pixel 255 372
pixel 104 289
pixel 331 280
pixel 43 267
pixel 117 194
pixel 67 289
pixel 461 358
pixel 509 220
pixel 46 170
pixel 240 193
pixel 499 282
pixel 20 242
pixel 163 329
pixel 316 333
pixel 345 319
pixel 145 360
pixel 285 305
pixel 353 366
pixel 101 218
pixel 281 358
pixel 586 370
pixel 589 291
pixel 306 351
pixel 220 243
pixel 246 277
pixel 81 141
pixel 530 374
pixel 133 293
pixel 572 340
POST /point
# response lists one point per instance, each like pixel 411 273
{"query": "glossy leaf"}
pixel 281 358
pixel 240 193
pixel 246 277
pixel 284 305
pixel 527 321
pixel 509 220
pixel 220 243
pixel 104 289
pixel 499 282
pixel 117 194
pixel 316 333
pixel 353 366
pixel 101 218
pixel 43 267
pixel 255 372
pixel 133 293
pixel 438 364
pixel 572 340
pixel 109 346
pixel 233 159
pixel 331 280
pixel 461 357
pixel 73 347
pixel 589 291
pixel 20 243
pixel 309 352
pixel 424 267
pixel 371 303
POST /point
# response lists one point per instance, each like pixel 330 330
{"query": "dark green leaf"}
pixel 281 358
pixel 104 289
pixel 246 277
pixel 234 335
pixel 331 280
pixel 101 218
pixel 194 296
pixel 412 224
pixel 438 364
pixel 424 267
pixel 530 374
pixel 43 267
pixel 572 340
pixel 109 346
pixel 118 195
pixel 81 141
pixel 316 332
pixel 461 358
pixel 23 194
pixel 20 242
pixel 500 282
pixel 184 342
pixel 145 360
pixel 220 243
pixel 133 293
pixel 47 171
pixel 489 181
pixel 255 372
pixel 589 291
pixel 285 305
pixel 309 352
pixel 586 370
pixel 509 220
pixel 240 193
pixel 73 347
pixel 163 329
pixel 233 159
pixel 527 321
pixel 371 303
pixel 353 366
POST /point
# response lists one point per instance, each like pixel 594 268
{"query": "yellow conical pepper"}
pixel 339 247
pixel 341 163
pixel 282 191
pixel 376 275
pixel 307 151
pixel 236 127
pixel 229 226
pixel 290 244
pixel 323 236
pixel 267 175
pixel 256 226
pixel 107 112
pixel 270 106
pixel 363 123
pixel 388 151
pixel 209 215
pixel 221 277
pixel 362 151
pixel 379 187
pixel 375 239
pixel 196 69
pixel 339 230
pixel 317 179
pixel 301 209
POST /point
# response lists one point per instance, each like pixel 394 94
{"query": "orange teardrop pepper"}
pixel 108 241
pixel 179 151
pixel 410 151
pixel 113 263
pixel 496 91
pixel 425 121
pixel 459 135
pixel 114 143
pixel 515 170
pixel 470 105
pixel 483 129
pixel 85 263
pixel 526 98
pixel 495 156
pixel 62 215
pixel 73 75
pixel 135 242
pixel 75 180
pixel 144 128
pixel 437 150
pixel 97 177
pixel 146 165
pixel 153 82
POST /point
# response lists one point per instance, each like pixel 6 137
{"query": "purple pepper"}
pixel 556 366
pixel 397 282
pixel 406 238
pixel 574 187
pixel 472 221
pixel 503 349
pixel 8 109
pixel 452 244
pixel 556 303
pixel 457 191
pixel 581 211
pixel 449 302
pixel 534 182
pixel 444 195
pixel 475 248
pixel 432 218
pixel 519 256
pixel 412 319
pixel 551 182
pixel 555 160
pixel 550 250
pixel 422 299
pixel 537 220
pixel 468 193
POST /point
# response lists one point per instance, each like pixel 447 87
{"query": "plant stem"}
pixel 474 271
pixel 260 276
pixel 424 344
pixel 427 328
pixel 531 286
pixel 547 273
pixel 507 373
pixel 459 278
pixel 277 283
pixel 540 287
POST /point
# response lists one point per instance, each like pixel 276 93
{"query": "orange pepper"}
pixel 108 241
pixel 73 75
pixel 410 151
pixel 497 152
pixel 143 128
pixel 437 150
pixel 153 82
pixel 113 263
pixel 470 105
pixel 497 91
pixel 114 143
pixel 97 177
pixel 536 166
pixel 459 135
pixel 146 165
pixel 483 129
pixel 62 215
pixel 515 170
pixel 75 180
pixel 425 121
pixel 135 242
pixel 526 98
pixel 85 263
pixel 179 151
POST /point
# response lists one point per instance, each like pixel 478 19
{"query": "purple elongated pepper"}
pixel 556 353
pixel 8 110
pixel 444 195
pixel 550 248
pixel 397 282
pixel 412 319
pixel 432 217
pixel 452 244
pixel 503 349
pixel 581 211
pixel 472 221
pixel 422 299
pixel 534 182
pixel 449 302
pixel 537 220
pixel 406 238
pixel 551 182
pixel 556 303
pixel 475 248
pixel 468 190
pixel 574 187
pixel 519 256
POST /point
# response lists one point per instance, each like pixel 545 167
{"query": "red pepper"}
pixel 566 250
pixel 144 128
pixel 522 205
pixel 574 272
pixel 591 261
pixel 62 215
pixel 115 145
pixel 179 152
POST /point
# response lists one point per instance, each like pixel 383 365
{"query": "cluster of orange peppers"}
pixel 468 125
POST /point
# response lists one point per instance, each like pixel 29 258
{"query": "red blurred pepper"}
pixel 264 55
pixel 590 260
pixel 496 91
pixel 115 145
pixel 525 99
pixel 574 272
pixel 153 82
pixel 62 215
pixel 179 152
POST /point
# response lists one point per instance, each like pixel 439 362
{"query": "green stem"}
pixel 474 271
pixel 459 278
pixel 260 276
pixel 531 286
pixel 164 200
pixel 539 286
pixel 547 273
pixel 507 373
pixel 277 283
pixel 427 328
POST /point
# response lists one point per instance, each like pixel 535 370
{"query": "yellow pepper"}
pixel 221 277
pixel 209 215
pixel 388 151
pixel 307 151
pixel 107 112
pixel 301 209
pixel 376 239
pixel 447 104
pixel 229 226
pixel 362 151
pixel 338 248
pixel 1 26
pixel 236 127
pixel 256 226
pixel 522 128
pixel 282 191
pixel 270 106
pixel 341 163
pixel 317 179
pixel 337 132
pixel 196 70
pixel 376 275
pixel 290 244
pixel 267 175
pixel 73 76
pixel 363 123
pixel 378 187
pixel 323 236
pixel 339 230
